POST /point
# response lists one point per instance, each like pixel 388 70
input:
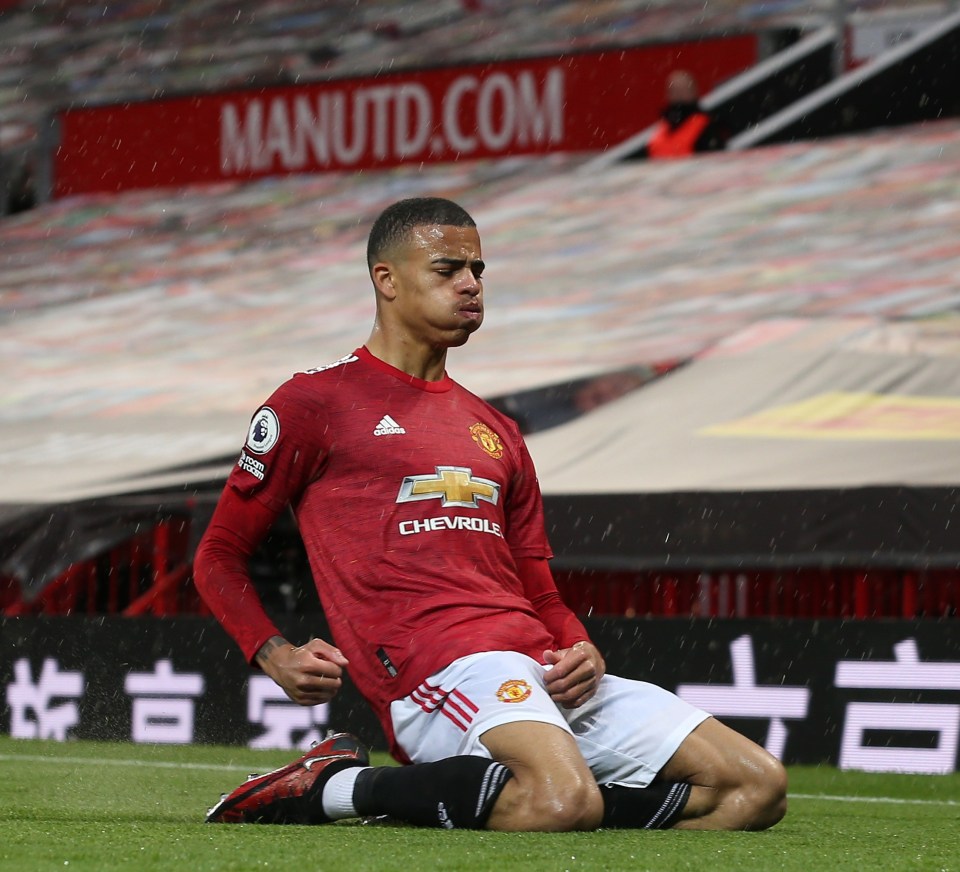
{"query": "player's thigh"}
pixel 716 756
pixel 530 748
pixel 552 785
pixel 630 729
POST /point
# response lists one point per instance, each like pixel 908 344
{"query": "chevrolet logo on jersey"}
pixel 452 485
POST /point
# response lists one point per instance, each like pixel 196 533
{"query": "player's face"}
pixel 439 292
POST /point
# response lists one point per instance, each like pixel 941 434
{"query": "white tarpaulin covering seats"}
pixel 138 333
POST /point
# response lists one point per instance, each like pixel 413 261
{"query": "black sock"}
pixel 655 807
pixel 458 792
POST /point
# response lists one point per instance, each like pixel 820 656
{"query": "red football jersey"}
pixel 413 499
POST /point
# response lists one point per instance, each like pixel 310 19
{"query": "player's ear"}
pixel 382 275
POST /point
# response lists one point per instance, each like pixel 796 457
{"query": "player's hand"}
pixel 309 675
pixel 575 674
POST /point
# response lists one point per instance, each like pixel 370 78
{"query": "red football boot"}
pixel 293 793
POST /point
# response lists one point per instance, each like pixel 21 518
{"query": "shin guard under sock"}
pixel 655 807
pixel 458 792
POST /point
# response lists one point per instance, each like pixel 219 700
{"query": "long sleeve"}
pixel 541 590
pixel 221 573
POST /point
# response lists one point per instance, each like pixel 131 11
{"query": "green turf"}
pixel 102 807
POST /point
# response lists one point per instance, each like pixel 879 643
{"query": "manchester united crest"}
pixel 488 440
pixel 514 690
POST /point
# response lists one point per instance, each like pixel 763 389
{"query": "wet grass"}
pixel 100 807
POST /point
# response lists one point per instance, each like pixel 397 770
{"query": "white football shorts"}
pixel 626 732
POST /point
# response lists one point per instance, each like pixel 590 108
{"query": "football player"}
pixel 421 514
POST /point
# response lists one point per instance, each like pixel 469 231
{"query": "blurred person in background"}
pixel 684 128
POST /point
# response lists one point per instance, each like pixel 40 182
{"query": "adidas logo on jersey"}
pixel 388 427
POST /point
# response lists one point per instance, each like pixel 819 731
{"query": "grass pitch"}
pixel 98 807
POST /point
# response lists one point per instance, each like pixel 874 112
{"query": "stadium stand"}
pixel 254 282
pixel 68 53
pixel 110 304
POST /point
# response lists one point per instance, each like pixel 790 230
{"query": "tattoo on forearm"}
pixel 273 642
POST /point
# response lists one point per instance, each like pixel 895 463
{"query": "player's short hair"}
pixel 396 221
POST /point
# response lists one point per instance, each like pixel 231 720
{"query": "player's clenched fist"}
pixel 574 674
pixel 309 675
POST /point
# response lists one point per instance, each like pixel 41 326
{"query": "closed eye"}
pixel 449 266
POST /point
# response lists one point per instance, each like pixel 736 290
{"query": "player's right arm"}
pixel 309 674
pixel 282 455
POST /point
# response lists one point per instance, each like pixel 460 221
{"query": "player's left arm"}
pixel 578 665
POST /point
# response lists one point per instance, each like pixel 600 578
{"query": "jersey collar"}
pixel 432 387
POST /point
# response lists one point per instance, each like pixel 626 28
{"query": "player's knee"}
pixel 763 798
pixel 773 800
pixel 547 806
pixel 576 806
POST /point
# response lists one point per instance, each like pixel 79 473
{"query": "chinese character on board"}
pixel 287 724
pixel 24 696
pixel 747 699
pixel 163 704
pixel 939 723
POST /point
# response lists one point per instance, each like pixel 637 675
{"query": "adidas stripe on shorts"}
pixel 626 732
